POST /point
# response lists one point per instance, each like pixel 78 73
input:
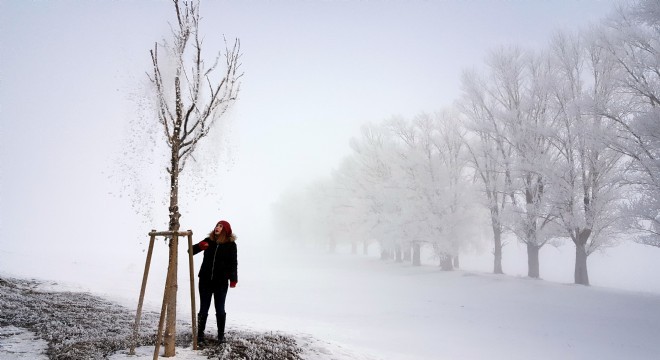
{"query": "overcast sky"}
pixel 72 72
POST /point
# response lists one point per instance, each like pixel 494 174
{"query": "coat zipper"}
pixel 213 266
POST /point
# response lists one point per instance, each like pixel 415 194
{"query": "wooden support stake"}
pixel 192 290
pixel 168 233
pixel 161 322
pixel 167 311
pixel 138 315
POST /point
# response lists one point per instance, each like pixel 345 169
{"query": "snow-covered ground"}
pixel 397 311
pixel 314 349
pixel 342 306
pixel 19 343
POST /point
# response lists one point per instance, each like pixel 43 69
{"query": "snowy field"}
pixel 396 311
pixel 346 306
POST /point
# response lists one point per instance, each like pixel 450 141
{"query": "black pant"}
pixel 219 293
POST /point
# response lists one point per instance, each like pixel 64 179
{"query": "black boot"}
pixel 201 324
pixel 221 318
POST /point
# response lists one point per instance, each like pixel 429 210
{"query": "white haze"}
pixel 72 78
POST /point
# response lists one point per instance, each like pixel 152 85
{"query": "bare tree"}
pixel 191 97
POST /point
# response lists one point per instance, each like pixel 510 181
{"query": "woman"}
pixel 218 270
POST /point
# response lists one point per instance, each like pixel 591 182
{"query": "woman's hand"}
pixel 232 284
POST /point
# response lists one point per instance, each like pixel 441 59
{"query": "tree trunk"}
pixel 170 329
pixel 385 253
pixel 353 247
pixel 365 247
pixel 497 237
pixel 457 262
pixel 407 252
pixel 533 260
pixel 581 273
pixel 446 262
pixel 416 256
pixel 398 256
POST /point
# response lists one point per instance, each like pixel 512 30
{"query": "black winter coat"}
pixel 220 262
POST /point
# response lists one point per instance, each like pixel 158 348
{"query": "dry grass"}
pixel 82 326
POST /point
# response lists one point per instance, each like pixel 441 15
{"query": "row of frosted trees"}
pixel 558 144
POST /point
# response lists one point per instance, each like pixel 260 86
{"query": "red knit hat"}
pixel 225 226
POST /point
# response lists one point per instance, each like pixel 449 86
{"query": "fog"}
pixel 81 185
pixel 73 78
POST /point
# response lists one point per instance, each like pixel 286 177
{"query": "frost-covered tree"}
pixel 347 206
pixel 485 156
pixel 586 177
pixel 439 178
pixel 380 186
pixel 412 173
pixel 322 214
pixel 420 180
pixel 404 184
pixel 631 37
pixel 353 204
pixel 508 110
pixel 191 96
pixel 519 86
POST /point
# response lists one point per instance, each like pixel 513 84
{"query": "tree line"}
pixel 550 145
